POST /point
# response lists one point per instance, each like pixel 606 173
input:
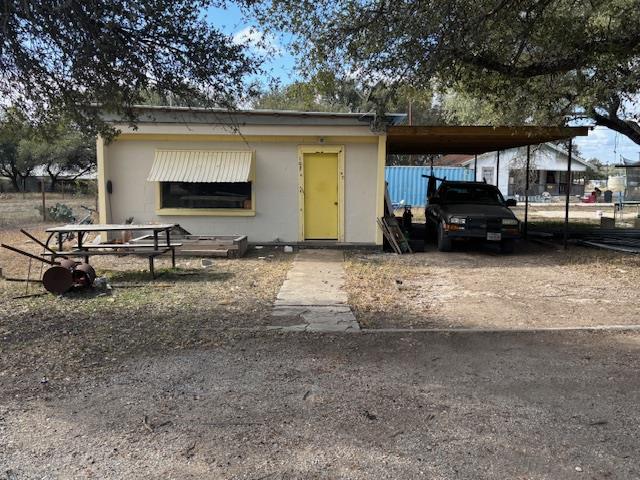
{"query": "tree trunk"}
pixel 54 178
pixel 54 182
pixel 617 124
pixel 10 171
pixel 15 182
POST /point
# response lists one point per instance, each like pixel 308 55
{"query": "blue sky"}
pixel 607 146
pixel 601 143
pixel 279 65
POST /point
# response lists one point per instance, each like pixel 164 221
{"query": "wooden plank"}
pixel 203 253
pixel 128 245
pixel 232 246
pixel 395 237
pixel 388 206
pixel 195 245
pixel 82 253
pixel 398 235
pixel 606 246
pixel 389 236
pixel 108 227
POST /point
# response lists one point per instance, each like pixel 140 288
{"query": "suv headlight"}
pixel 509 221
pixel 458 220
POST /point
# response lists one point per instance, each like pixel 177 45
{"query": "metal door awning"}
pixel 202 166
pixel 472 140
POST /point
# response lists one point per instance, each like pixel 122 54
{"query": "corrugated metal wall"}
pixel 406 183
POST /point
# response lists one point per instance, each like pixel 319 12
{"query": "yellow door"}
pixel 321 196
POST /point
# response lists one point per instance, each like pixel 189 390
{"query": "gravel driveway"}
pixel 476 287
pixel 370 405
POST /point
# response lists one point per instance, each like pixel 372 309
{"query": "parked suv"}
pixel 471 210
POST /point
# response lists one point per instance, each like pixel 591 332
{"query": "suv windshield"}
pixel 471 194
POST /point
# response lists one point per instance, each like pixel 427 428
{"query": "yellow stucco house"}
pixel 275 176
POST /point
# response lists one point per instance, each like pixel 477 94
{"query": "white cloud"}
pixel 257 40
pixel 607 145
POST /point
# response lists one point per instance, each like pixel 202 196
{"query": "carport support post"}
pixel 526 195
pixel 475 168
pixel 498 169
pixel 568 194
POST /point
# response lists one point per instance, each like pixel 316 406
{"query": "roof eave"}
pixel 472 139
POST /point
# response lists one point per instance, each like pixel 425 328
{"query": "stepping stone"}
pixel 314 294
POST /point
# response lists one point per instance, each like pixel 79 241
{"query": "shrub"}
pixel 60 212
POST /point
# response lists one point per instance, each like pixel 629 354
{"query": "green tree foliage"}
pixel 326 92
pixel 63 151
pixel 597 170
pixel 59 56
pixel 60 149
pixel 497 61
pixel 14 127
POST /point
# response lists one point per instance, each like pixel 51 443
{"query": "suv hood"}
pixel 476 211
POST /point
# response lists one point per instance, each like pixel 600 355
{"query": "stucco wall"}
pixel 128 162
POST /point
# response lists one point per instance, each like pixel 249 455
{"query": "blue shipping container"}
pixel 407 183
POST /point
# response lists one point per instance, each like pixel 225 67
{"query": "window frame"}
pixel 211 212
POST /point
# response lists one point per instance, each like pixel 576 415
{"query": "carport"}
pixel 472 140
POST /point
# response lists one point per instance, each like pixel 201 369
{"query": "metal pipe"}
pixel 568 195
pixel 498 169
pixel 27 254
pixel 526 195
pixel 40 243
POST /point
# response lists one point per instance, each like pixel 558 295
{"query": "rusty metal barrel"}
pixel 57 279
pixel 66 263
pixel 84 275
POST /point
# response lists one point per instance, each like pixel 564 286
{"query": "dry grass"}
pixel 185 307
pixel 479 288
pixel 17 209
pixel 384 286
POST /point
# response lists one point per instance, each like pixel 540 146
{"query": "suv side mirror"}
pixel 511 202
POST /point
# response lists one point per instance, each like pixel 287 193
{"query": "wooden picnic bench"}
pixel 81 249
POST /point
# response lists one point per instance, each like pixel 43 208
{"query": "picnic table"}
pixel 86 250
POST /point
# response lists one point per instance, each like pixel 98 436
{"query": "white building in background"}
pixel 547 160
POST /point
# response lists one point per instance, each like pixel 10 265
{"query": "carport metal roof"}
pixel 472 140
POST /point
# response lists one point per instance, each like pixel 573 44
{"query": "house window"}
pixel 236 195
pixel 551 177
pixel 487 174
pixel 204 182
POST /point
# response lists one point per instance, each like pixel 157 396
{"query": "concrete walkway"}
pixel 312 297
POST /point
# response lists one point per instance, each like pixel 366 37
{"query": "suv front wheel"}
pixel 507 246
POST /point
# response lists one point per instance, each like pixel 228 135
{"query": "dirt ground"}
pixel 477 287
pixel 174 378
pixel 370 405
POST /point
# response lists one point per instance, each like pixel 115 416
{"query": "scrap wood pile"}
pixel 391 228
pixel 224 246
pixel 618 239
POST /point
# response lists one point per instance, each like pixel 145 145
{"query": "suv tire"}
pixel 507 246
pixel 444 243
